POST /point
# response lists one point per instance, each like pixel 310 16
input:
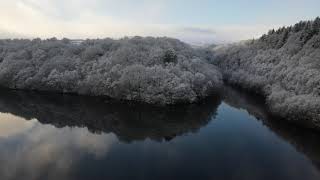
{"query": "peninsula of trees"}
pixel 150 70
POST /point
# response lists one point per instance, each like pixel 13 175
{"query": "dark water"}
pixel 231 137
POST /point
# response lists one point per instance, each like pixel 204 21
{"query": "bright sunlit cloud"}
pixel 202 21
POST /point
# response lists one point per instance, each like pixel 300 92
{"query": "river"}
pixel 231 136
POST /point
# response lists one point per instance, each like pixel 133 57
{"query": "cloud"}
pixel 99 19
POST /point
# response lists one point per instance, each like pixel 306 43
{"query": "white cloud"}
pixel 85 19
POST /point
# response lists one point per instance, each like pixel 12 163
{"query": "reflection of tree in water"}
pixel 304 140
pixel 138 122
pixel 128 122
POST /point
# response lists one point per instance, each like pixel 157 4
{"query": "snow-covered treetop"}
pixel 284 65
pixel 152 70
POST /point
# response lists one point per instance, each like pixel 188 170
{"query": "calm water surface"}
pixel 231 137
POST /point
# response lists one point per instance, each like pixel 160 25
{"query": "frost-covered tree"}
pixel 170 57
pixel 284 65
pixel 151 70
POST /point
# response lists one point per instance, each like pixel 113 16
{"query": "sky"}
pixel 193 21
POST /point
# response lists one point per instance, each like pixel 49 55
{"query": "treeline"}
pixel 284 65
pixel 151 70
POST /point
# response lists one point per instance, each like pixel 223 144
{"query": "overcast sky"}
pixel 196 21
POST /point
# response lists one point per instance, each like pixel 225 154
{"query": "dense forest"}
pixel 151 70
pixel 283 65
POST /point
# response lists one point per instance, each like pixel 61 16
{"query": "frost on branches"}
pixel 284 65
pixel 151 70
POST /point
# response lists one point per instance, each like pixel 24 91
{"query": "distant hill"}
pixel 8 35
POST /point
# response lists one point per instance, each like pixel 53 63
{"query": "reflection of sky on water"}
pixel 232 145
pixel 29 148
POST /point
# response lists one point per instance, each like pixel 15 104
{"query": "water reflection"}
pixel 35 151
pixel 128 122
pixel 69 137
pixel 305 141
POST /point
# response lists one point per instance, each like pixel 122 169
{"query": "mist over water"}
pixel 231 136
